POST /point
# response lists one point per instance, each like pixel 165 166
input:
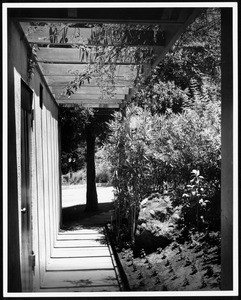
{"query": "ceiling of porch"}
pixel 63 56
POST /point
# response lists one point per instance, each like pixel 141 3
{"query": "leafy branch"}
pixel 103 59
pixel 32 58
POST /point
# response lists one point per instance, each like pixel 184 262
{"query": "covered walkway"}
pixel 45 55
pixel 82 261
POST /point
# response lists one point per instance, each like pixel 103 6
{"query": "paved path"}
pixel 76 195
pixel 82 261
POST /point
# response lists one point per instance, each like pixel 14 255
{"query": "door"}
pixel 26 235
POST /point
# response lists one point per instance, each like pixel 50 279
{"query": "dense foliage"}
pixel 171 131
pixel 73 120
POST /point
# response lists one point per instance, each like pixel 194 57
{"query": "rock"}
pixel 155 225
pixel 143 202
pixel 156 207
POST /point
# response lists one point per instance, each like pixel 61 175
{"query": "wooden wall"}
pixel 45 178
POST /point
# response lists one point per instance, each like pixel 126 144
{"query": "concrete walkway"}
pixel 82 261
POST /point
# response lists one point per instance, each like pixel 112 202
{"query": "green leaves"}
pixel 32 57
pixel 149 150
pixel 195 205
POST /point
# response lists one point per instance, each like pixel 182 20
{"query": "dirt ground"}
pixel 191 266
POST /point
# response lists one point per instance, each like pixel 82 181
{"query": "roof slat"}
pixel 85 90
pixel 127 72
pixel 89 97
pixel 86 36
pixel 92 105
pixel 75 56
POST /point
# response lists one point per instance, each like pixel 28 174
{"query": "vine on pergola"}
pixel 108 46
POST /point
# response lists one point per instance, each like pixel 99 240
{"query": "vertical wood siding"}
pixel 45 177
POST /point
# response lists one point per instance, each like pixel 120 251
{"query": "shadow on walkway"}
pixel 76 216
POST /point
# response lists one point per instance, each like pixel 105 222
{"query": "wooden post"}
pixel 60 177
pixel 91 194
pixel 227 152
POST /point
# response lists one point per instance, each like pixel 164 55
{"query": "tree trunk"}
pixel 91 194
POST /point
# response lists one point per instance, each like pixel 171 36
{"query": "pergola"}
pixel 64 49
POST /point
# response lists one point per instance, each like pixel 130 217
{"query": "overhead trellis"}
pixel 96 64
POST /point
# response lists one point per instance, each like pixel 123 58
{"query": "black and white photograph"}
pixel 120 151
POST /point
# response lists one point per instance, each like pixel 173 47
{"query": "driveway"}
pixel 76 194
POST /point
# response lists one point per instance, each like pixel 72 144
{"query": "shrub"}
pixel 197 202
pixel 74 177
pixel 149 151
pixel 103 174
pixel 103 168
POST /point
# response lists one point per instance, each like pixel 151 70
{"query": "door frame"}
pixel 26 254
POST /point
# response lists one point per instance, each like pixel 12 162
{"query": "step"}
pixel 86 289
pixel 82 231
pixel 83 236
pixel 77 279
pixel 81 243
pixel 79 263
pixel 80 252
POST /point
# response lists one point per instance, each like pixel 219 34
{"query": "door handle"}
pixel 23 210
pixel 32 256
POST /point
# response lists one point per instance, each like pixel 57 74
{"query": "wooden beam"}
pixel 130 15
pixel 173 35
pixel 93 105
pixel 106 37
pixel 114 15
pixel 63 85
pixel 91 101
pixel 70 45
pixel 58 54
pixel 89 97
pixel 52 20
pixel 130 94
pixel 85 90
pixel 126 72
pixel 70 61
pixel 64 80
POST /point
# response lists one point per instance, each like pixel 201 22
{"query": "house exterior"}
pixel 34 204
pixel 34 189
